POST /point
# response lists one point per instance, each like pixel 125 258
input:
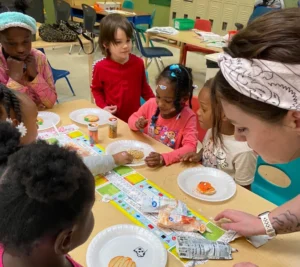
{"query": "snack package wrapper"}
pixel 155 204
pixel 202 249
pixel 168 218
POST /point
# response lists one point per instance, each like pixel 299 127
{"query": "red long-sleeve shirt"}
pixel 121 85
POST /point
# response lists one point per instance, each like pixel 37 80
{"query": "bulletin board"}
pixel 160 2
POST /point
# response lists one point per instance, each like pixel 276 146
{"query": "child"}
pixel 23 68
pixel 233 157
pixel 167 118
pixel 46 200
pixel 21 112
pixel 119 80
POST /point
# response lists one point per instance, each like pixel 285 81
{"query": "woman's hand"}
pixel 154 160
pixel 245 264
pixel 31 68
pixel 122 158
pixel 111 109
pixel 191 157
pixel 243 223
pixel 15 69
pixel 141 123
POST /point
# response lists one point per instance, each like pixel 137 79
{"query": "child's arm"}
pixel 138 120
pixel 192 156
pixel 104 163
pixel 43 83
pixel 147 92
pixel 189 142
pixel 245 165
pixel 97 88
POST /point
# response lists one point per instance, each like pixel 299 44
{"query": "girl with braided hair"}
pixel 168 118
pixel 19 110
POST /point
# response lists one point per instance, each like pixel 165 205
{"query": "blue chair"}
pixel 59 74
pixel 151 52
pixel 142 28
pixel 127 4
pixel 142 100
pixel 274 193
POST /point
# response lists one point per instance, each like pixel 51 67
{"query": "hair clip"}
pixel 162 87
pixel 9 120
pixel 21 127
pixel 174 67
pixel 173 74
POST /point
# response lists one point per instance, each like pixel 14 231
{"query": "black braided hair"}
pixel 10 102
pixel 182 84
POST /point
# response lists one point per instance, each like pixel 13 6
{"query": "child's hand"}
pixel 111 109
pixel 191 157
pixel 154 160
pixel 15 69
pixel 122 158
pixel 31 67
pixel 141 123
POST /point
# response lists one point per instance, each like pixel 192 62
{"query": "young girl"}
pixel 22 68
pixel 119 80
pixel 46 197
pixel 233 157
pixel 21 112
pixel 167 118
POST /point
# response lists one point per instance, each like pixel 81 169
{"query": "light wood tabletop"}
pixel 182 37
pixel 282 251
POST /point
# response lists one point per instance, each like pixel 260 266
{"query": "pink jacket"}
pixel 179 133
pixel 42 89
pixel 74 263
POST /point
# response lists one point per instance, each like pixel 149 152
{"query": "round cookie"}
pixel 136 154
pixel 121 261
pixel 91 118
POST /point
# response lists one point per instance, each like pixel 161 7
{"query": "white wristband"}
pixel 267 224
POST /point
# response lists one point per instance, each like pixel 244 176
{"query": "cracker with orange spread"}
pixel 206 188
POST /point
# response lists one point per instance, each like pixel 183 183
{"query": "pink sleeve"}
pixel 142 112
pixel 189 142
pixel 43 84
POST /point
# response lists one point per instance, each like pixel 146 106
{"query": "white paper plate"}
pixel 79 114
pixel 49 118
pixel 142 246
pixel 124 145
pixel 221 181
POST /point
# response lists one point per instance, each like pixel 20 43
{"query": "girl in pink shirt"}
pixel 167 118
pixel 23 68
pixel 46 199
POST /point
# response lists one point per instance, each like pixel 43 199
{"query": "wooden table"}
pixel 39 43
pixel 282 251
pixel 182 37
pixel 137 18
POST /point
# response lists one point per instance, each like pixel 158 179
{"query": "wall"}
pixel 49 7
pixel 162 12
pixel 291 3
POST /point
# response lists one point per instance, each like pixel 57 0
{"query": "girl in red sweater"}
pixel 167 118
pixel 119 79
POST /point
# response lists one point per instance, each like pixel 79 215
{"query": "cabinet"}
pixel 223 14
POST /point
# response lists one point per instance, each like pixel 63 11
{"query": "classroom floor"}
pixel 78 67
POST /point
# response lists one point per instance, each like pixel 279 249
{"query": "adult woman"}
pixel 259 87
